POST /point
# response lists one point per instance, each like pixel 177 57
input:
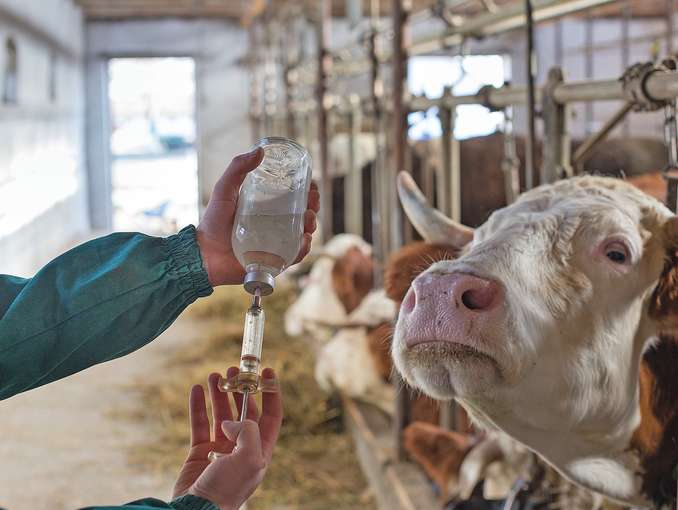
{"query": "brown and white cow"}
pixel 554 325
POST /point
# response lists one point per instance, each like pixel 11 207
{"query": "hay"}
pixel 314 464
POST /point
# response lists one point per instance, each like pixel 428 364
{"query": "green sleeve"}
pixel 187 502
pixel 99 301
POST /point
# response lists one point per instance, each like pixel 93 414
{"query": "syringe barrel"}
pixel 252 341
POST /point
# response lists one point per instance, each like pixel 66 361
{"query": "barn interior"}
pixel 122 115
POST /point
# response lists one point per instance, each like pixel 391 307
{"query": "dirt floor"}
pixel 93 438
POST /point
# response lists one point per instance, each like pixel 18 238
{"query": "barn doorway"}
pixel 154 164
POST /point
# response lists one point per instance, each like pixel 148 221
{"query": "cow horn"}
pixel 433 225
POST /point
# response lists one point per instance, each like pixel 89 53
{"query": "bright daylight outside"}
pixel 466 75
pixel 154 160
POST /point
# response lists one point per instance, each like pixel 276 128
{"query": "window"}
pixel 466 75
pixel 9 86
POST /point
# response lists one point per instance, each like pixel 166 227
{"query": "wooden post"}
pixel 324 68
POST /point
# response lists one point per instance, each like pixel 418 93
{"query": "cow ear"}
pixel 352 278
pixel 664 302
pixel 408 262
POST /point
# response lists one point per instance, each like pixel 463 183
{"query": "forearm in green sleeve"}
pixel 99 301
pixel 187 502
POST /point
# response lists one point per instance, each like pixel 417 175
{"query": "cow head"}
pixel 539 325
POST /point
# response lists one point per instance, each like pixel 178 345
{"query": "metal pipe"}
pixel 670 15
pixel 531 140
pixel 626 54
pixel 324 69
pixel 507 18
pixel 585 149
pixel 588 64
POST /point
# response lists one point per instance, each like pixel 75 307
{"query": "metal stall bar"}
pixel 503 20
pixel 354 179
pixel 399 13
pixel 531 140
pixel 557 141
pixel 659 86
pixel 324 69
pixel 585 149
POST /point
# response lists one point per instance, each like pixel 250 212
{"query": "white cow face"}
pixel 542 318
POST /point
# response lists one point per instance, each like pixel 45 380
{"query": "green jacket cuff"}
pixel 186 261
pixel 191 502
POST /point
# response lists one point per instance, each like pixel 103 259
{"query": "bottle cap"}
pixel 259 280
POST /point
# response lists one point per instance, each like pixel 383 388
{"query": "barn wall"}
pixel 222 87
pixel 607 63
pixel 43 201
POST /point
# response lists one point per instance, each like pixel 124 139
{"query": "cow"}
pixel 340 278
pixel 554 325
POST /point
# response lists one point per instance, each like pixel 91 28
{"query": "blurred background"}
pixel 120 115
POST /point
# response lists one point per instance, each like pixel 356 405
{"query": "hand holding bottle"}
pixel 214 231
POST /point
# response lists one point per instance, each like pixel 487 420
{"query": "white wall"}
pixel 42 172
pixel 222 90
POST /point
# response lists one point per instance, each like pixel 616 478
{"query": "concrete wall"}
pixel 42 172
pixel 222 85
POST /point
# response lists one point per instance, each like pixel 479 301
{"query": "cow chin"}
pixel 445 370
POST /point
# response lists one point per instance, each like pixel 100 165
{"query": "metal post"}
pixel 354 179
pixel 589 72
pixel 449 180
pixel 585 149
pixel 324 68
pixel 556 163
pixel 558 43
pixel 510 164
pixel 376 92
pixel 400 13
pixel 531 141
pixel 670 14
pixel 626 54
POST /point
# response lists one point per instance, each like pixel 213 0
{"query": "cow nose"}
pixel 466 291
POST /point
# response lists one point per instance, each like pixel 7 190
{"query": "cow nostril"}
pixel 467 299
pixel 478 299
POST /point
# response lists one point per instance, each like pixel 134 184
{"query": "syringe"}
pixel 248 380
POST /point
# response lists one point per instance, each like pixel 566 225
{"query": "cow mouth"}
pixel 436 351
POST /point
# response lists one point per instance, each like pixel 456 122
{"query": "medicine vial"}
pixel 269 221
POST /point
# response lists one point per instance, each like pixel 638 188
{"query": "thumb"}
pixel 231 429
pixel 229 184
pixel 245 435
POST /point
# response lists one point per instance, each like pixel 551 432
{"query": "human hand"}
pixel 247 447
pixel 214 231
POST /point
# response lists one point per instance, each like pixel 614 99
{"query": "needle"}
pixel 243 409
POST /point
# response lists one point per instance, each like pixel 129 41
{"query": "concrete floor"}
pixel 61 448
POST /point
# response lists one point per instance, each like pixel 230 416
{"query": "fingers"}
pixel 229 184
pixel 252 409
pixel 248 440
pixel 271 415
pixel 221 409
pixel 314 198
pixel 305 248
pixel 197 411
pixel 310 221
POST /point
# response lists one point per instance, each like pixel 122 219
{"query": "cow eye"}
pixel 617 253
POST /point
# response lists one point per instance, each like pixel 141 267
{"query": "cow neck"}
pixel 655 440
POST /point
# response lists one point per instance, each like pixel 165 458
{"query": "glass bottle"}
pixel 269 221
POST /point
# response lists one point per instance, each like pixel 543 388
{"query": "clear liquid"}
pixel 269 242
